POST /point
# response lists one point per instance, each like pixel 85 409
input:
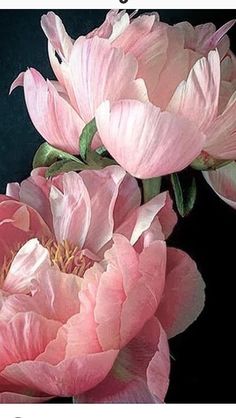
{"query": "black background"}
pixel 204 367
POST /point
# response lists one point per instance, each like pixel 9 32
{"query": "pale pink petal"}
pixel 79 374
pixel 114 25
pixel 197 98
pixel 140 373
pixel 148 42
pixel 57 35
pixel 71 209
pixel 221 135
pixel 168 217
pixel 213 40
pixel 90 90
pixel 103 188
pixel 28 335
pixel 129 198
pixel 12 190
pixel 52 116
pixel 30 261
pixel 47 297
pixel 223 182
pixel 144 148
pixel 184 297
pixel 139 221
pixel 128 291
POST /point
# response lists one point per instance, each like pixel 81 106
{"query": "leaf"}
pixel 46 155
pixel 64 166
pixel 151 188
pixel 86 138
pixel 184 201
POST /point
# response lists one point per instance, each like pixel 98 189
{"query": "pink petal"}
pixel 129 198
pixel 197 98
pixel 112 63
pixel 12 190
pixel 103 188
pixel 144 148
pixel 30 261
pixel 71 209
pixel 27 335
pixel 221 135
pixel 184 296
pixel 114 25
pixel 11 397
pixel 79 374
pixel 47 297
pixel 52 116
pixel 223 182
pixel 140 373
pixel 128 291
pixel 57 35
pixel 148 42
pixel 212 41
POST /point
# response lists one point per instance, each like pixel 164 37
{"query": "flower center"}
pixel 67 256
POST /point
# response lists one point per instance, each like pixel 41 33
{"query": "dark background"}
pixel 204 367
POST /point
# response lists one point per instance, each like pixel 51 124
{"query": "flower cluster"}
pixel 90 292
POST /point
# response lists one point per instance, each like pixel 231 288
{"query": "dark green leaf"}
pixel 179 199
pixel 184 201
pixel 151 188
pixel 46 155
pixel 64 166
pixel 86 139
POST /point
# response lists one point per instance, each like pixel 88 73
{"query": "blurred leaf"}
pixel 86 139
pixel 64 166
pixel 184 201
pixel 46 155
pixel 151 188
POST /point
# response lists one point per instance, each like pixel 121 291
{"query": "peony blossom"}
pixel 223 182
pixel 166 96
pixel 89 291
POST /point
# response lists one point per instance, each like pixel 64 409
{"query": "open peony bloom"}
pixel 166 96
pixel 223 182
pixel 89 292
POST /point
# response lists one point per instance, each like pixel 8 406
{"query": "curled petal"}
pixel 184 296
pixel 197 98
pixel 57 35
pixel 141 138
pixel 223 182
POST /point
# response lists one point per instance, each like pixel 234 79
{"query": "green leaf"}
pixel 64 166
pixel 151 188
pixel 47 155
pixel 179 199
pixel 184 201
pixel 86 139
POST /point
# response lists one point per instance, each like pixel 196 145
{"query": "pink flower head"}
pixel 166 96
pixel 89 296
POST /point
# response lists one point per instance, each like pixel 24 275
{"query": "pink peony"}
pixel 166 96
pixel 90 294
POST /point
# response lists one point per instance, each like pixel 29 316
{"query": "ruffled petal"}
pixel 145 149
pixel 221 136
pixel 71 210
pixel 184 295
pixel 29 262
pixel 51 115
pixel 140 373
pixel 57 35
pixel 92 57
pixel 197 98
pixel 223 182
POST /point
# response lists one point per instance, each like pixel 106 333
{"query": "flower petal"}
pixel 30 261
pixel 92 57
pixel 79 374
pixel 197 98
pixel 223 182
pixel 57 35
pixel 103 188
pixel 51 115
pixel 184 296
pixel 221 136
pixel 145 149
pixel 140 373
pixel 71 209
